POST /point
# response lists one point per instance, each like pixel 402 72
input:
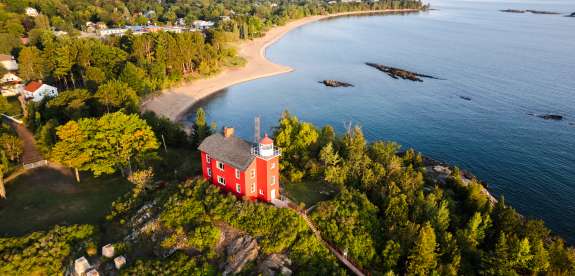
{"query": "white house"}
pixel 202 25
pixel 36 91
pixel 10 85
pixel 31 12
pixel 9 62
pixel 111 31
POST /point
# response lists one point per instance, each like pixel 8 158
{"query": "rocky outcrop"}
pixel 542 12
pixel 571 15
pixel 551 117
pixel 465 98
pixel 528 11
pixel 334 83
pixel 238 253
pixel 513 11
pixel 275 264
pixel 397 73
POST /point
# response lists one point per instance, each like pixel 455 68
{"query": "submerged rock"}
pixel 571 15
pixel 334 83
pixel 553 117
pixel 397 73
pixel 465 98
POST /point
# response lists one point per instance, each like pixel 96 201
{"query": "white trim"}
pixel 221 180
pixel 261 192
pixel 208 159
pixel 273 180
pixel 253 173
pixel 237 174
pixel 238 188
pixel 210 172
pixel 253 187
pixel 273 166
pixel 218 163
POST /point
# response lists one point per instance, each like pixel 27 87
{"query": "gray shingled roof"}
pixel 232 150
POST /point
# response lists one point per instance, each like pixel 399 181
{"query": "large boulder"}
pixel 239 252
pixel 275 264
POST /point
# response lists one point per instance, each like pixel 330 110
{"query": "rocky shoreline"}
pixel 397 73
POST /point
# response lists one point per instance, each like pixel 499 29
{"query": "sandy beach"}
pixel 174 102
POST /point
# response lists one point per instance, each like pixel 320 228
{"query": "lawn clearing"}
pixel 46 196
pixel 310 192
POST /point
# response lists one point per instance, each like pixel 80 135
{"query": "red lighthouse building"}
pixel 246 169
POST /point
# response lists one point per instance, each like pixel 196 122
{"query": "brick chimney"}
pixel 228 132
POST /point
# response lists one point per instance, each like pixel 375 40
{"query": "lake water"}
pixel 508 64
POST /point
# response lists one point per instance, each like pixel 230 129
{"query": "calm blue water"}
pixel 509 64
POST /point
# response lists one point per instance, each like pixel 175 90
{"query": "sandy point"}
pixel 173 103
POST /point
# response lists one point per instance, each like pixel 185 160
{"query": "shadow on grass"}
pixel 310 192
pixel 47 196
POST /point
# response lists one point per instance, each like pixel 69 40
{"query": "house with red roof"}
pixel 246 169
pixel 37 91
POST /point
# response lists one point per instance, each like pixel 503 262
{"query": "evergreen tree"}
pixel 422 259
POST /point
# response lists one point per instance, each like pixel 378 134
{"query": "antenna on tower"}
pixel 257 127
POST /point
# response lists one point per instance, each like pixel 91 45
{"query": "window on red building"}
pixel 220 165
pixel 238 189
pixel 221 180
pixel 237 174
pixel 208 159
pixel 209 172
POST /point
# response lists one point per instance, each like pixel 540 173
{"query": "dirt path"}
pixel 31 153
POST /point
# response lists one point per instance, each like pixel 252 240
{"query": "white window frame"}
pixel 253 187
pixel 237 174
pixel 273 180
pixel 261 192
pixel 209 172
pixel 220 165
pixel 208 159
pixel 253 173
pixel 238 187
pixel 273 166
pixel 221 180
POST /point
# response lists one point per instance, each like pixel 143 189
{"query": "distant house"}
pixel 245 169
pixel 202 25
pixel 8 62
pixel 37 91
pixel 181 22
pixel 10 85
pixel 31 12
pixel 111 31
pixel 101 26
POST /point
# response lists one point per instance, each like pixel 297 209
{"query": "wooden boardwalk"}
pixel 344 260
pixel 334 250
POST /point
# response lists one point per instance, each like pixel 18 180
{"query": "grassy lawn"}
pixel 310 192
pixel 44 197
